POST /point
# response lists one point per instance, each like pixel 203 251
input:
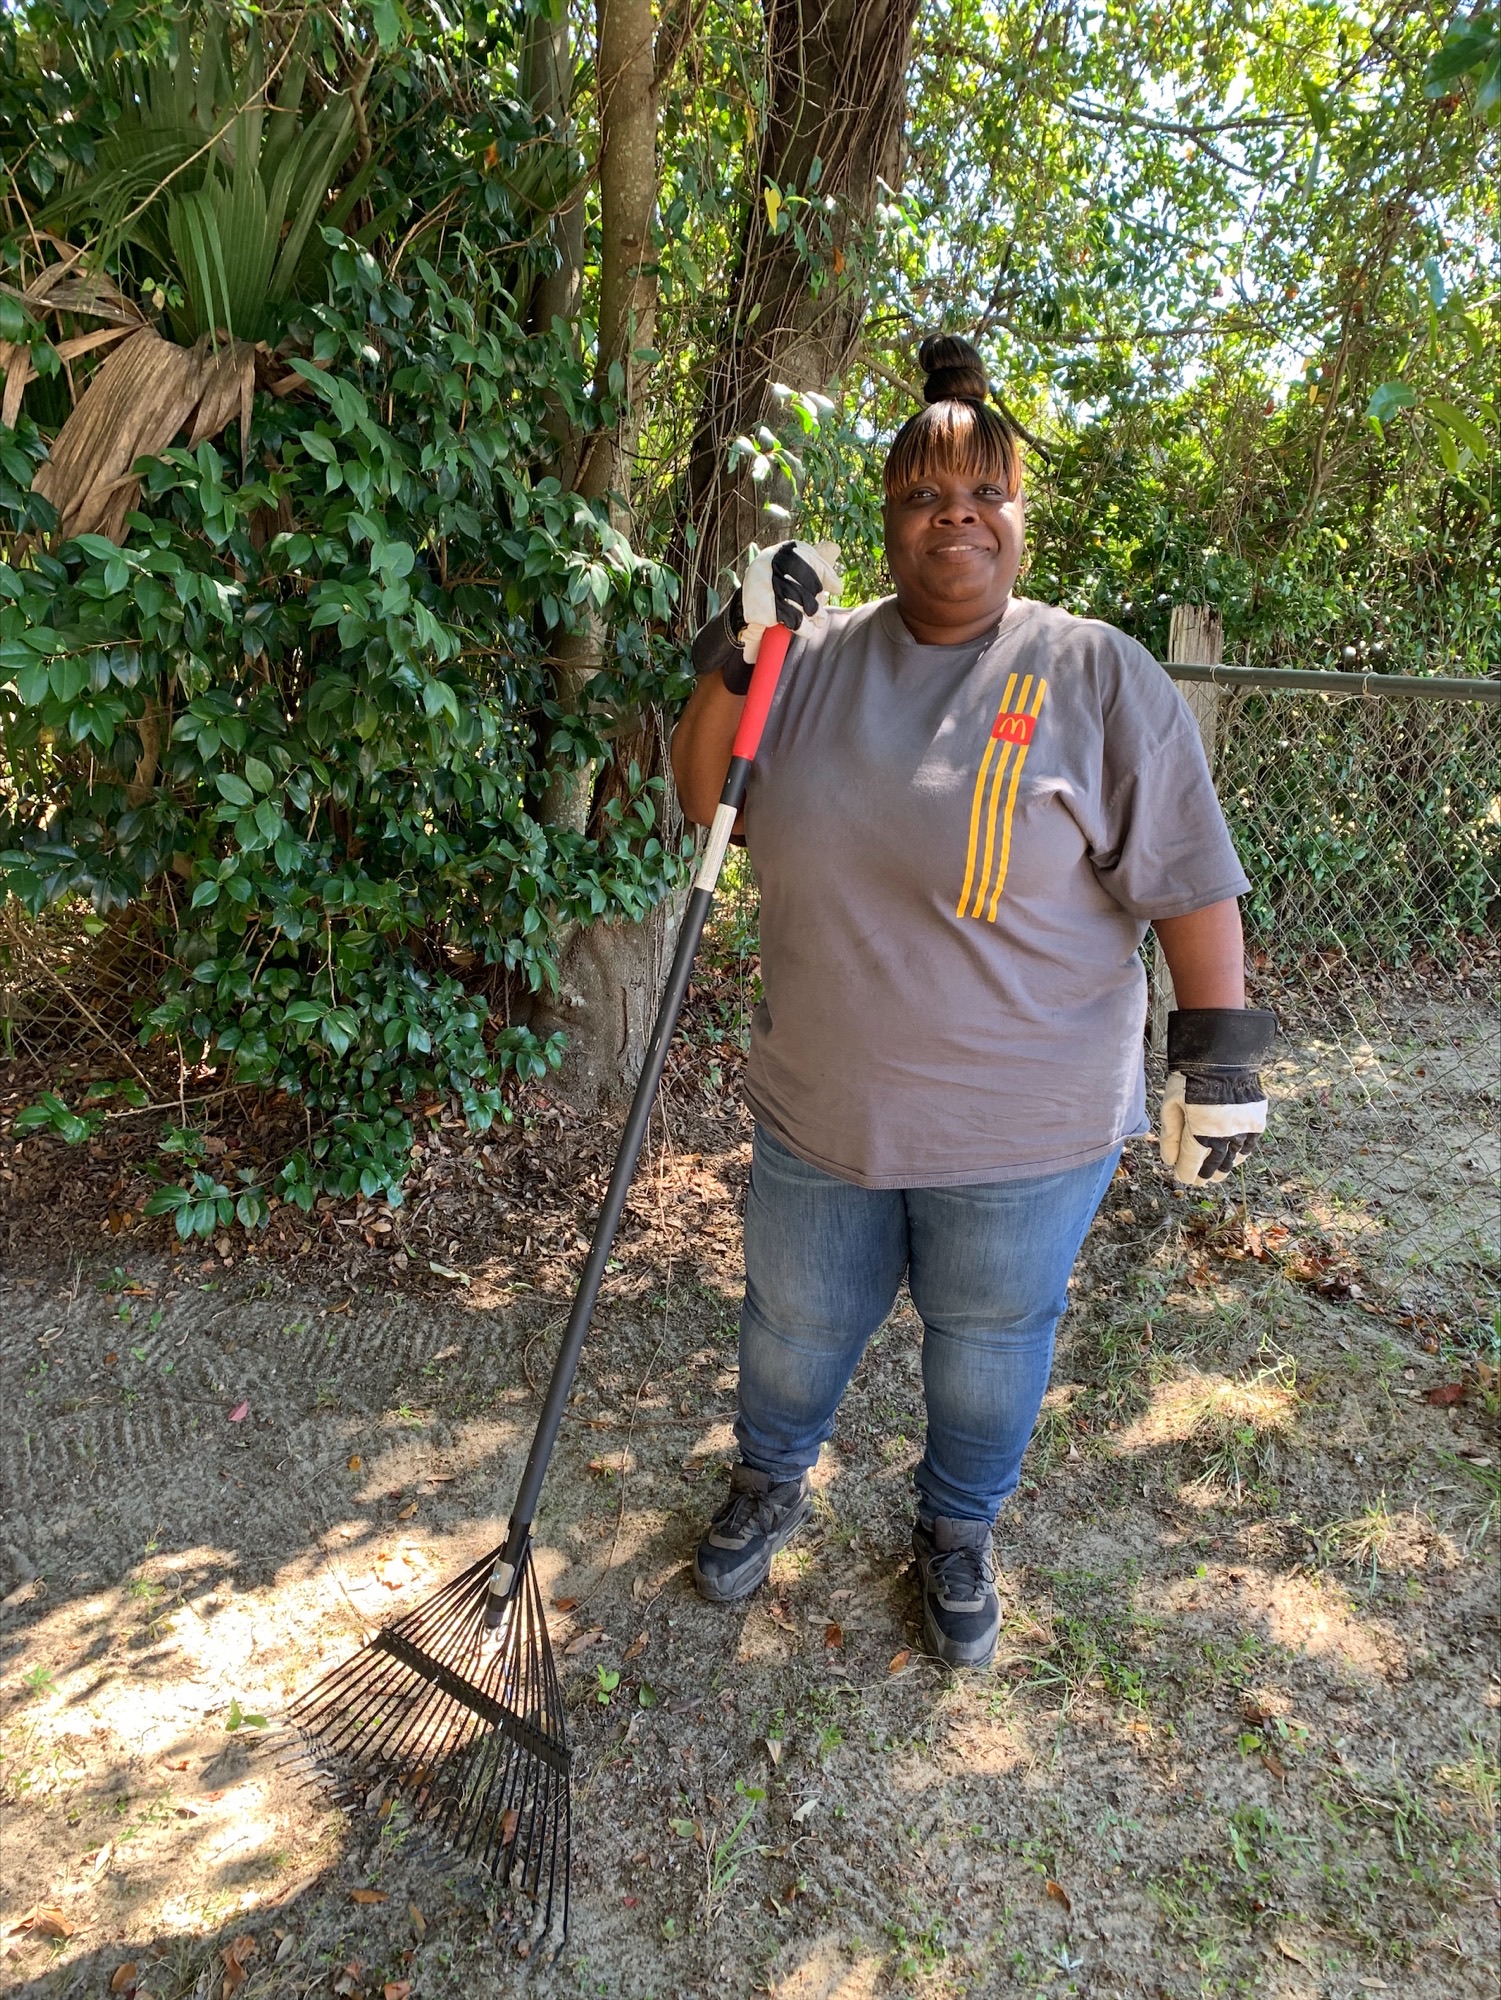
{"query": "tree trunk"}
pixel 610 974
pixel 834 131
pixel 547 83
pixel 626 62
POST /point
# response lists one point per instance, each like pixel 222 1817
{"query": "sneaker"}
pixel 758 1519
pixel 961 1613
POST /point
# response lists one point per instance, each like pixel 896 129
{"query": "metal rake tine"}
pixel 456 1588
pixel 557 1846
pixel 335 1711
pixel 433 1730
pixel 472 1816
pixel 358 1709
pixel 537 1829
pixel 372 1669
pixel 481 1810
pixel 436 1735
pixel 469 1788
pixel 497 1852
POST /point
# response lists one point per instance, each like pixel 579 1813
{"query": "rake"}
pixel 455 1708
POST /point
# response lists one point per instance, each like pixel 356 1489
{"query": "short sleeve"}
pixel 1161 847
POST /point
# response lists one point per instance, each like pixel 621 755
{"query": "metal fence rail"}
pixel 1382 687
pixel 1367 813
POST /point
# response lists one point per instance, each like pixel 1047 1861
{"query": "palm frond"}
pixel 218 179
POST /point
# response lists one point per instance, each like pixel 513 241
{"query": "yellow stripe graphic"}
pixel 1016 776
pixel 997 785
pixel 974 811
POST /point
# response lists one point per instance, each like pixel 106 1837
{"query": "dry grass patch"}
pixel 1227 1429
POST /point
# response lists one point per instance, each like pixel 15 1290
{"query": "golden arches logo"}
pixel 1013 728
pixel 999 778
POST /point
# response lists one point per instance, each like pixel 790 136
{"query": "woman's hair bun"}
pixel 952 369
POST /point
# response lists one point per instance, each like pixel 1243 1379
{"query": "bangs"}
pixel 957 436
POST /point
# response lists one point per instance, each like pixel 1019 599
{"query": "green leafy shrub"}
pixel 302 717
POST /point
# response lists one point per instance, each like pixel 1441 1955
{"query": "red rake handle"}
pixel 769 658
pixel 764 677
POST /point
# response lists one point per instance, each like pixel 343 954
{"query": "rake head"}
pixel 463 1720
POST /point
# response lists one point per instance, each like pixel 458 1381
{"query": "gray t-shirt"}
pixel 958 850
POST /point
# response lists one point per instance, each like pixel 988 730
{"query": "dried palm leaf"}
pixel 15 364
pixel 90 295
pixel 228 373
pixel 146 392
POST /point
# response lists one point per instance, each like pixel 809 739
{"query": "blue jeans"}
pixel 988 1271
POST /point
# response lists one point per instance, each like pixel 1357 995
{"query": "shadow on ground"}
pixel 1239 1739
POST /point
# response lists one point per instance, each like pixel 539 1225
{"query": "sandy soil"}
pixel 1240 1738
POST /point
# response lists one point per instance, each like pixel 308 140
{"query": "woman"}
pixel 965 811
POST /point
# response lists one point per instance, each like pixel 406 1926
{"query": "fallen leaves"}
pixel 564 1603
pixel 899 1661
pixel 125 1976
pixel 510 1819
pixel 419 1922
pixel 394 1569
pixel 406 1513
pixel 833 1636
pixel 354 1462
pixel 1445 1393
pixel 368 1896
pixel 235 1958
pixel 239 1413
pixel 584 1641
pixel 46 1920
pixel 1059 1894
pixel 636 1648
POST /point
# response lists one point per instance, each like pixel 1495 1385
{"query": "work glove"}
pixel 781 587
pixel 1214 1104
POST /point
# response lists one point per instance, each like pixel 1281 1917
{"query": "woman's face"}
pixel 954 547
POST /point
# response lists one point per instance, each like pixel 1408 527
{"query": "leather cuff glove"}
pixel 782 587
pixel 1214 1105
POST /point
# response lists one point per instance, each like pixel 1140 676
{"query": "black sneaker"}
pixel 758 1519
pixel 961 1613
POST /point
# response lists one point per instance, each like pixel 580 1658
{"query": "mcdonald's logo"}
pixel 1014 728
pixel 994 801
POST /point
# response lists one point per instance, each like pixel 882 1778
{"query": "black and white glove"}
pixel 1214 1105
pixel 783 586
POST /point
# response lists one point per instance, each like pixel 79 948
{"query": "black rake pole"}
pixel 455 1708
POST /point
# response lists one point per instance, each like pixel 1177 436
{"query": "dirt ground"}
pixel 1240 1737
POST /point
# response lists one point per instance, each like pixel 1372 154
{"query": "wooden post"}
pixel 1196 637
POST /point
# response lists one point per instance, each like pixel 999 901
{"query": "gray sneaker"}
pixel 961 1613
pixel 758 1519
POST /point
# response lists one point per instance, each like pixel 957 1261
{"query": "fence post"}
pixel 1196 637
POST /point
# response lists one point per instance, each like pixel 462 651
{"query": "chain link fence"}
pixel 1367 813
